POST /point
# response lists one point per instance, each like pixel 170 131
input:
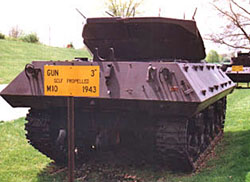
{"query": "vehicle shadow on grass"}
pixel 230 161
pixel 53 173
pixel 109 167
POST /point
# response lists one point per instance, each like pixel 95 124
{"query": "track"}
pixel 42 136
pixel 184 143
pixel 180 143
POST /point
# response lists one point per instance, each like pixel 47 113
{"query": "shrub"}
pixel 31 38
pixel 11 38
pixel 2 36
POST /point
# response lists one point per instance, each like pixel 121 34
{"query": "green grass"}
pixel 19 162
pixel 14 55
pixel 232 160
pixel 230 163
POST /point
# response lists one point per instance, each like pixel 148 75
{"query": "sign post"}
pixel 82 81
pixel 71 81
pixel 237 68
pixel 71 138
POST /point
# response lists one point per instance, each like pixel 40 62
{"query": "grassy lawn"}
pixel 20 162
pixel 14 55
pixel 230 163
pixel 232 160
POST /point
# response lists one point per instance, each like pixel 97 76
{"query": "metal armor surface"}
pixel 146 89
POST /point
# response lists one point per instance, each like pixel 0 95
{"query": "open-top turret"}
pixel 144 39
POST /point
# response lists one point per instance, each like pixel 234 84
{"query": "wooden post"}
pixel 71 138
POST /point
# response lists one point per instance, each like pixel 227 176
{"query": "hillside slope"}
pixel 14 55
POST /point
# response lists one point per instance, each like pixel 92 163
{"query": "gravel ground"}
pixel 8 113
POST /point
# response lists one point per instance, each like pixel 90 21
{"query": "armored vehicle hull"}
pixel 172 108
pixel 239 69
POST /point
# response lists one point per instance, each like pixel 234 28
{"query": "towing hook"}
pixel 31 70
pixel 151 73
pixel 110 56
pixel 61 137
pixel 108 73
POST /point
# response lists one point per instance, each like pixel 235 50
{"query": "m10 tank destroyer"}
pixel 239 69
pixel 146 89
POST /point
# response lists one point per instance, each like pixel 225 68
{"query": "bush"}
pixel 2 36
pixel 31 38
pixel 11 38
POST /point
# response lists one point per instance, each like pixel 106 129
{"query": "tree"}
pixel 15 32
pixel 235 32
pixel 127 8
pixel 213 57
